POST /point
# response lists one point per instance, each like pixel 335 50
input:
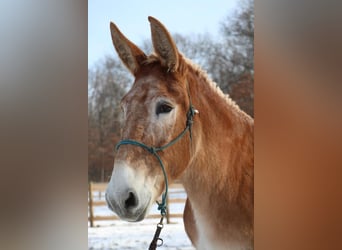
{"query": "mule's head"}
pixel 154 113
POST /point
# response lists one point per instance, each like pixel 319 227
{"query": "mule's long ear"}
pixel 164 45
pixel 129 53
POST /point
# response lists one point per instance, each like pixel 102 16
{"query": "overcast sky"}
pixel 187 17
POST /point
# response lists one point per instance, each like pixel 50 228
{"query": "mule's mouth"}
pixel 128 214
pixel 141 216
pixel 135 216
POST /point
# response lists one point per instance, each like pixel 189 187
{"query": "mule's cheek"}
pixel 158 183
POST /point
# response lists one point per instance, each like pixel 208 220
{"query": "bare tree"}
pixel 107 81
pixel 237 56
pixel 238 41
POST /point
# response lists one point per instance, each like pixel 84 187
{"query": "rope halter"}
pixel 154 150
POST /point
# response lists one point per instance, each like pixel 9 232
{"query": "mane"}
pixel 213 85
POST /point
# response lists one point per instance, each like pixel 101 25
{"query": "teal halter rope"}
pixel 153 150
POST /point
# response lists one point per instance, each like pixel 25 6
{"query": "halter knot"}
pixel 152 150
pixel 162 208
pixel 190 115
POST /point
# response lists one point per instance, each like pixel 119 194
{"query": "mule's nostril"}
pixel 131 201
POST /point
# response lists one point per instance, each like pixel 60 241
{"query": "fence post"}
pixel 167 211
pixel 90 205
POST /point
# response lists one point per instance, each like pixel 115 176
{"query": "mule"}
pixel 214 160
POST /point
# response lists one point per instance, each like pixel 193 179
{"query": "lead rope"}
pixel 153 150
pixel 154 243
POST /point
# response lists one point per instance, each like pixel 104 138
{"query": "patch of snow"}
pixel 126 235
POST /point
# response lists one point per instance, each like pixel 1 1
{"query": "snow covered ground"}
pixel 117 234
pixel 124 235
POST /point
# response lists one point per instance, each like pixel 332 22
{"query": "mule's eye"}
pixel 163 108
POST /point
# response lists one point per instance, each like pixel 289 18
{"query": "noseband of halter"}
pixel 154 150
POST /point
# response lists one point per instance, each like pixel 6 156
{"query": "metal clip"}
pixel 154 244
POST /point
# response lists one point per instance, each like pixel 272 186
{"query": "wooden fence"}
pixel 98 189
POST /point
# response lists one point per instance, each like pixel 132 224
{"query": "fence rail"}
pixel 100 189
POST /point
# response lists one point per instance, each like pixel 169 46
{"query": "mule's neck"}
pixel 222 153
